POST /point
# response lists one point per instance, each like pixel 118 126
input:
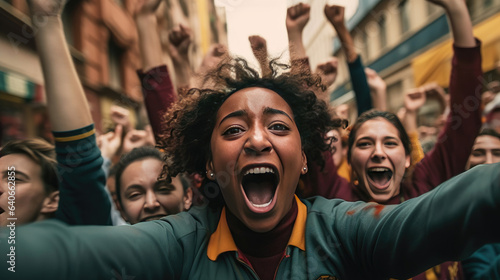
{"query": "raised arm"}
pixel 83 199
pixel 214 56
pixel 378 89
pixel 297 17
pixel 460 23
pixel 259 49
pixel 179 41
pixel 328 72
pixel 149 41
pixel 414 99
pixel 68 105
pixel 450 154
pixel 157 87
pixel 335 15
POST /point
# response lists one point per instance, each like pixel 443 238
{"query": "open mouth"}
pixel 1 210
pixel 152 218
pixel 379 177
pixel 259 185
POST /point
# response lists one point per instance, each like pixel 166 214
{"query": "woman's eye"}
pixel 165 190
pixel 391 143
pixel 279 126
pixel 478 153
pixel 232 130
pixel 134 196
pixel 363 144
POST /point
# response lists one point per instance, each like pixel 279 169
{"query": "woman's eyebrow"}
pixel 269 110
pixel 234 114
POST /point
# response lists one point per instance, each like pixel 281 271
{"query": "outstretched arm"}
pixel 484 264
pixel 400 241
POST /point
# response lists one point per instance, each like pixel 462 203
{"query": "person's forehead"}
pixel 143 171
pixel 254 99
pixel 487 141
pixel 21 163
pixel 377 126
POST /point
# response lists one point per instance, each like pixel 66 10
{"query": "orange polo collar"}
pixel 222 241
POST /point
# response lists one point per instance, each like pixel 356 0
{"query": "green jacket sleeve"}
pixel 83 199
pixel 484 263
pixel 53 250
pixel 400 241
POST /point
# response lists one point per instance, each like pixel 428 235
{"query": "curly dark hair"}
pixel 189 123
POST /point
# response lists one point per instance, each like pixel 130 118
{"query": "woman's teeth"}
pixel 259 170
pixel 263 205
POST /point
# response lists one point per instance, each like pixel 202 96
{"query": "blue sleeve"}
pixel 484 263
pixel 360 86
pixel 82 197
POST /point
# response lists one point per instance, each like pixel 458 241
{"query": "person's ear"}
pixel 50 203
pixel 210 173
pixel 188 198
pixel 304 164
pixel 408 161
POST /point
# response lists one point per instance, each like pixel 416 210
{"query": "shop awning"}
pixel 434 65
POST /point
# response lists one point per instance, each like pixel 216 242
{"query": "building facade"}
pixel 408 42
pixel 103 42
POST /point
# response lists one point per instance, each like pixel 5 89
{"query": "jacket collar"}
pixel 222 241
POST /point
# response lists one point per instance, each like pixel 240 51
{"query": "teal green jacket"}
pixel 331 238
pixel 484 263
pixel 82 195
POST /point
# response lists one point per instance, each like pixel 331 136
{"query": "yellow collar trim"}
pixel 222 241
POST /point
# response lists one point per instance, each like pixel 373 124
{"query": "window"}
pixel 382 31
pixel 403 16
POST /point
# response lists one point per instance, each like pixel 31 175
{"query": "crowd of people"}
pixel 249 173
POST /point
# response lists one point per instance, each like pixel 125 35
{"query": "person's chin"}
pixel 263 225
pixel 382 196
